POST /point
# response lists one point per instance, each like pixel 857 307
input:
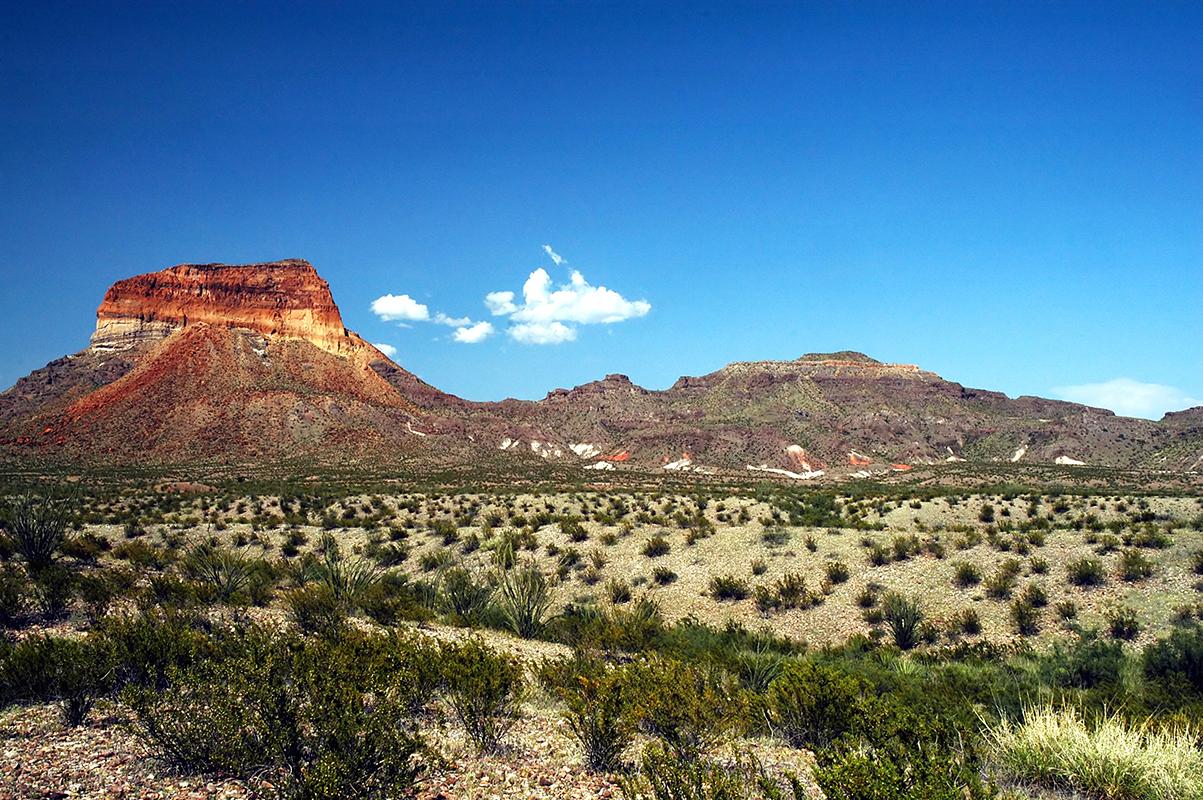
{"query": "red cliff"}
pixel 282 298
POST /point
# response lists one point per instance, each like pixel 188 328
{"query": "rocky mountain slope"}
pixel 252 362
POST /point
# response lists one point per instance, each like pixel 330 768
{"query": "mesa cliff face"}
pixel 280 298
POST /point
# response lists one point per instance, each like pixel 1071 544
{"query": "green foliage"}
pixel 597 708
pixel 484 688
pixel 303 715
pixel 664 776
pixel 811 705
pixel 36 527
pixel 1177 662
pixel 687 707
pixel 904 617
pixel 465 595
pixel 656 546
pixel 523 597
pixel 72 672
pixel 1086 572
pixel 728 587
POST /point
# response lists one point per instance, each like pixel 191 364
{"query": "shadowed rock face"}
pixel 281 298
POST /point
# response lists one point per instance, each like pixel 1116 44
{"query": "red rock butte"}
pixel 280 298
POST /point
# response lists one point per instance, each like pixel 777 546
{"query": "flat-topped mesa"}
pixel 281 298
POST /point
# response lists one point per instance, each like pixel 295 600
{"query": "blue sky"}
pixel 1010 195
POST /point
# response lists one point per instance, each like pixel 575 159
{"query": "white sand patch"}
pixel 800 476
pixel 1067 461
pixel 409 426
pixel 680 465
pixel 507 443
pixel 585 450
pixel 1019 453
pixel 604 466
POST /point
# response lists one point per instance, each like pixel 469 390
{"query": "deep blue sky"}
pixel 1009 195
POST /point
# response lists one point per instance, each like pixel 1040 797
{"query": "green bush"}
pixel 811 705
pixel 1177 661
pixel 687 707
pixel 37 527
pixel 597 708
pixel 728 587
pixel 664 776
pixel 966 575
pixel 73 672
pixel 1086 572
pixel 656 546
pixel 523 597
pixel 484 689
pixel 904 617
pixel 464 595
pixel 1134 566
pixel 304 715
pixel 14 589
pixel 1122 623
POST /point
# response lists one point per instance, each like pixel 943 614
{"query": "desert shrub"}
pixel 1134 566
pixel 392 555
pixel 522 598
pixel 1177 661
pixel 900 753
pixel 1025 616
pixel 728 587
pixel 1122 623
pixel 1001 582
pixel 305 715
pixel 484 689
pixel 224 572
pixel 395 598
pixel 573 529
pixel 664 776
pixel 36 527
pixel 1086 572
pixel 596 701
pixel 463 594
pixel 775 536
pixel 148 648
pixel 966 622
pixel 14 588
pixel 837 571
pixel 72 672
pixel 663 575
pixel 1087 663
pixel 656 546
pixel 1034 595
pixel 966 574
pixel 99 588
pixel 787 592
pixel 759 566
pixel 811 705
pixel 618 590
pixel 688 707
pixel 53 589
pixel 85 547
pixel 1056 749
pixel 1067 610
pixel 904 617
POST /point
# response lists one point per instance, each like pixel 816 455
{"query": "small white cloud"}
pixel 576 301
pixel 553 255
pixel 387 349
pixel 472 334
pixel 500 303
pixel 542 332
pixel 452 322
pixel 401 307
pixel 1129 398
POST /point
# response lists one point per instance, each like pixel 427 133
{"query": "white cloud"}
pixel 542 332
pixel 387 349
pixel 402 307
pixel 576 301
pixel 547 313
pixel 471 334
pixel 1128 397
pixel 500 303
pixel 453 322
